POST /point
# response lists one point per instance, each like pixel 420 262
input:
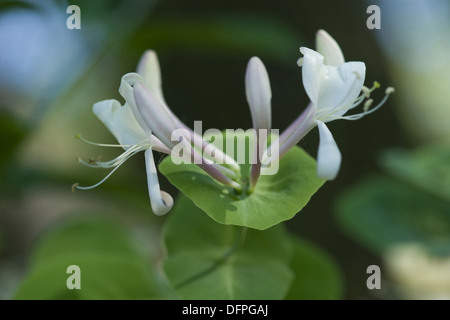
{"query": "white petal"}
pixel 329 49
pixel 148 68
pixel 120 122
pixel 127 92
pixel 311 70
pixel 161 201
pixel 155 114
pixel 340 86
pixel 328 157
pixel 259 94
pixel 331 89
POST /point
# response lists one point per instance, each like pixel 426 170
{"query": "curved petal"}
pixel 311 69
pixel 120 122
pixel 161 201
pixel 328 157
pixel 154 114
pixel 148 68
pixel 339 88
pixel 259 94
pixel 331 89
pixel 329 49
pixel 126 91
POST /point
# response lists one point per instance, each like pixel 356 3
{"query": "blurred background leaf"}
pixel 317 277
pixel 111 265
pixel 381 213
pixel 208 260
pixel 427 168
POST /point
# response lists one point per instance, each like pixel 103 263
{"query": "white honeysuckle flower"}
pixel 132 134
pixel 334 88
pixel 259 95
pixel 145 123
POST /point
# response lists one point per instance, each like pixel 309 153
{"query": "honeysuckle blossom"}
pixel 131 135
pixel 145 123
pixel 334 88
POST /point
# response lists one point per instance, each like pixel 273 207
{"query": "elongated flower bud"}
pixel 259 95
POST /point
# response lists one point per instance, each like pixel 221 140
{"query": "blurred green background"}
pixel 392 193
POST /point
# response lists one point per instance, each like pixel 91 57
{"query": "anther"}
pixel 94 161
pixel 366 92
pixel 367 105
pixel 389 90
pixel 74 186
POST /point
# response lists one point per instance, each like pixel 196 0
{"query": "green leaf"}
pixel 427 168
pixel 381 212
pixel 276 198
pixel 317 276
pixel 86 236
pixel 111 267
pixel 103 276
pixel 207 260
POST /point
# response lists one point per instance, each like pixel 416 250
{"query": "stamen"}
pixel 367 105
pixel 366 91
pixel 360 115
pixel 389 90
pixel 114 162
pixel 300 61
pixel 76 186
pixel 365 94
pixel 92 160
pixel 78 136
